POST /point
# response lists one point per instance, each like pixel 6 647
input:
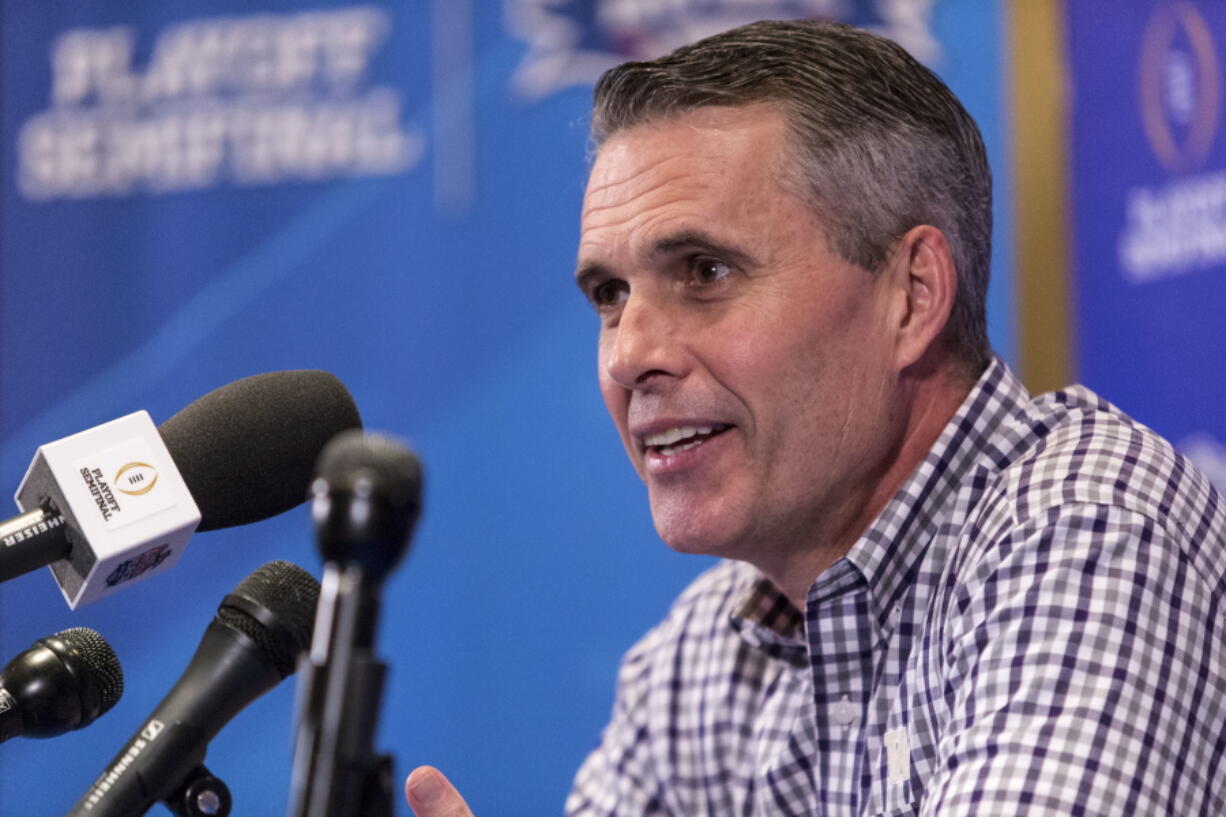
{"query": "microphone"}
pixel 62 682
pixel 366 501
pixel 253 643
pixel 119 501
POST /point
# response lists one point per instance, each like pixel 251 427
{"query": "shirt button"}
pixel 844 713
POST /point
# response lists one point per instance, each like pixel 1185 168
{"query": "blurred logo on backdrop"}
pixel 247 100
pixel 571 42
pixel 1179 87
pixel 1209 455
pixel 1178 226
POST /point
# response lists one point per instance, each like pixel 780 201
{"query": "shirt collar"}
pixel 765 619
pixel 982 434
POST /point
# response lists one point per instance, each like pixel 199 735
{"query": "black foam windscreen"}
pixel 247 450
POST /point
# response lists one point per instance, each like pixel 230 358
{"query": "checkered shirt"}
pixel 1034 625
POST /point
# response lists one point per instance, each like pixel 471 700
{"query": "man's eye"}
pixel 709 271
pixel 609 293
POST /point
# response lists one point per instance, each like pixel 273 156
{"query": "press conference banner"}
pixel 197 191
pixel 1148 163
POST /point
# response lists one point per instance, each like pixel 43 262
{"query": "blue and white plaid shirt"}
pixel 1034 625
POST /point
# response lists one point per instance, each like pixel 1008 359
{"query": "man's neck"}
pixel 930 401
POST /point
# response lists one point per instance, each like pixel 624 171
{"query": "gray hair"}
pixel 881 145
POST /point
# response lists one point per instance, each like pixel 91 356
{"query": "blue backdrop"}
pixel 198 191
pixel 1149 199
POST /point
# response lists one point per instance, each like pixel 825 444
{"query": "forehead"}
pixel 710 158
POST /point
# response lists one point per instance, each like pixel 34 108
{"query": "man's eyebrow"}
pixel 588 271
pixel 688 241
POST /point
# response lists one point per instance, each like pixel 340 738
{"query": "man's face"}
pixel 746 365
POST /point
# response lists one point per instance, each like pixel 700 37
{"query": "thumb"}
pixel 430 794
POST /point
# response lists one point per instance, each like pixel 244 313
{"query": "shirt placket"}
pixel 841 640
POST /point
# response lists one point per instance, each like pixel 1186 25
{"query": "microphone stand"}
pixel 367 497
pixel 337 772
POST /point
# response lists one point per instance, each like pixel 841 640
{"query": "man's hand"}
pixel 432 795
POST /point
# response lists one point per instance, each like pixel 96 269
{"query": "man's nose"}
pixel 646 346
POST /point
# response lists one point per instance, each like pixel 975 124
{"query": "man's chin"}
pixel 713 523
pixel 697 539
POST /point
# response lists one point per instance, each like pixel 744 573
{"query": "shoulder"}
pixel 1095 453
pixel 1091 471
pixel 1081 597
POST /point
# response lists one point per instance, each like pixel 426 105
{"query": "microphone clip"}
pixel 202 794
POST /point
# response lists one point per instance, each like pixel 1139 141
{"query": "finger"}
pixel 430 794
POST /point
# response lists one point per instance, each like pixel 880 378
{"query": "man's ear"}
pixel 924 282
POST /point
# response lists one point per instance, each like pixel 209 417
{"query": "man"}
pixel 940 596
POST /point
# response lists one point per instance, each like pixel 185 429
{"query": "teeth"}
pixel 673 449
pixel 673 435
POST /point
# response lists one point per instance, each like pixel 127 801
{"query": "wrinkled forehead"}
pixel 694 181
pixel 728 153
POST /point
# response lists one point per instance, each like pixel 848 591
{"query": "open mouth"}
pixel 682 438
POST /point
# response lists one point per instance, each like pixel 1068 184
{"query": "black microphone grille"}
pixel 275 607
pixel 99 660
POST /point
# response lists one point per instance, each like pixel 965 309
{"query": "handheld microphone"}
pixel 63 682
pixel 119 501
pixel 253 643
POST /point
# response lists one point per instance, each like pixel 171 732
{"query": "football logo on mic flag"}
pixel 140 476
pixel 134 476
